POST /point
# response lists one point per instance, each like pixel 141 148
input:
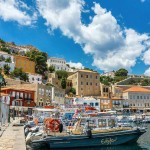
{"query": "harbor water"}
pixel 143 143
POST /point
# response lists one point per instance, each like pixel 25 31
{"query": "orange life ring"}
pixel 52 124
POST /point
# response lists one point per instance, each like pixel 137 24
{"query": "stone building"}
pixel 86 83
pixel 49 95
pixel 53 79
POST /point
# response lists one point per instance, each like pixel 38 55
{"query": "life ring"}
pixel 52 124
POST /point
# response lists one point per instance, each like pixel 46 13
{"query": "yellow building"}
pixel 23 62
pixel 86 83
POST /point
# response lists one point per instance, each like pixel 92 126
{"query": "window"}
pixel 90 83
pixel 147 97
pixel 86 76
pixel 96 104
pixel 25 95
pixel 29 96
pixel 96 77
pixel 81 88
pixel 40 90
pixel 96 84
pixel 90 76
pixel 106 89
pixel 130 96
pixel 137 97
pixel 86 83
pixel 140 97
pixel 85 104
pixel 21 95
pixel 13 93
pixel 144 97
pixel 81 75
pixel 81 83
pixel 91 104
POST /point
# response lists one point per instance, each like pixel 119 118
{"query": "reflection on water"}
pixel 142 144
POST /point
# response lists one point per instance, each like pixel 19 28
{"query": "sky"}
pixel 103 35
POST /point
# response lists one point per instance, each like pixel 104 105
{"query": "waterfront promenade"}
pixel 12 137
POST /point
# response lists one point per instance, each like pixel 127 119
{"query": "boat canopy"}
pixel 45 109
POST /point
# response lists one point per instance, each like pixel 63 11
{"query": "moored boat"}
pixel 91 132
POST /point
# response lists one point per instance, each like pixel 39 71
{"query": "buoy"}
pixel 52 124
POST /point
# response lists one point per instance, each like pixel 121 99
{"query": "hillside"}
pixel 12 48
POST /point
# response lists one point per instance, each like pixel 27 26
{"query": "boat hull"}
pixel 98 140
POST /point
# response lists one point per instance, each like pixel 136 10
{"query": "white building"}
pixel 109 74
pixel 4 108
pixel 35 78
pixel 3 60
pixel 138 98
pixel 87 101
pixel 58 95
pixel 58 63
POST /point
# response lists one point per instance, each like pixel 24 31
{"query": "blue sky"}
pixel 103 35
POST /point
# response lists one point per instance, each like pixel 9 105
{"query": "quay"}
pixel 12 137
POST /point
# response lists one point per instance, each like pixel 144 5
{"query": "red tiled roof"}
pixel 137 89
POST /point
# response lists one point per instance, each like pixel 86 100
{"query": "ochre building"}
pixel 23 62
pixel 86 83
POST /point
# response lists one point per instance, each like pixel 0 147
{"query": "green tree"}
pixel 4 49
pixel 61 74
pixel 68 65
pixel 73 91
pixel 40 59
pixel 88 69
pixel 6 69
pixel 51 69
pixel 145 82
pixel 63 82
pixel 18 73
pixel 2 41
pixel 8 60
pixel 73 68
pixel 3 83
pixel 24 77
pixel 2 58
pixel 121 72
pixel 106 80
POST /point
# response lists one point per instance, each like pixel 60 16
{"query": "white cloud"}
pixel 77 65
pixel 147 72
pixel 146 57
pixel 110 46
pixel 142 1
pixel 17 10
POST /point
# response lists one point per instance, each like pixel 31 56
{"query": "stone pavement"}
pixel 13 138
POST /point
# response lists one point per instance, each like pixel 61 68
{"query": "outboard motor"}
pixel 89 133
pixel 60 127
